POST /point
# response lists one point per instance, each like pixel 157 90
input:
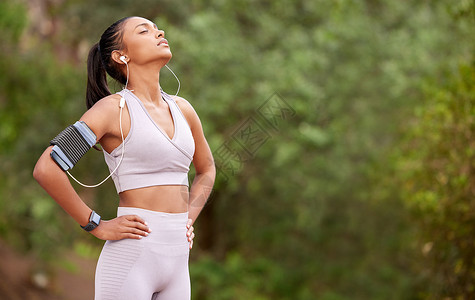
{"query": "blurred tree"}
pixel 439 187
pixel 305 214
pixel 436 166
pixel 32 108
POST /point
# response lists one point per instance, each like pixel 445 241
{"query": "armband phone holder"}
pixel 74 141
pixel 57 159
pixel 71 144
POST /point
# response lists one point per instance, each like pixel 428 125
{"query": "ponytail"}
pixel 100 63
pixel 97 87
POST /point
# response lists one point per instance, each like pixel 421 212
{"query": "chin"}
pixel 167 58
pixel 164 54
pixel 162 59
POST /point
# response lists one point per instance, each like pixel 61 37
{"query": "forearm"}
pixel 199 192
pixel 57 185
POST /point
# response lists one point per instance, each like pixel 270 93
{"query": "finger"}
pixel 188 223
pixel 191 237
pixel 136 222
pixel 140 226
pixel 136 219
pixel 131 236
pixel 191 244
pixel 190 231
pixel 137 228
pixel 137 231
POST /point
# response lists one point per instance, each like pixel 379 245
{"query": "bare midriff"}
pixel 163 198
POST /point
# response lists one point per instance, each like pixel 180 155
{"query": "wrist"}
pixel 94 220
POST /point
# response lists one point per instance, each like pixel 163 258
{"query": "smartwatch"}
pixel 94 220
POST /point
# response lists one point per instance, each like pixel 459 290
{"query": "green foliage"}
pixel 39 95
pixel 250 279
pixel 439 185
pixel 315 212
pixel 12 21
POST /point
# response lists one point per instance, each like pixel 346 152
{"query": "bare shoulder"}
pixel 104 107
pixel 185 106
pixel 188 111
pixel 103 113
pixel 107 103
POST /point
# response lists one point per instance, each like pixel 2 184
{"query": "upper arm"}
pixel 98 119
pixel 203 158
pixel 101 115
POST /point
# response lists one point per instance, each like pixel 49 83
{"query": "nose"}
pixel 160 33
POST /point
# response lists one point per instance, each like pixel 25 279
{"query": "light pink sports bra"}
pixel 151 157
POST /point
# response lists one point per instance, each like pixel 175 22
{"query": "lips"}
pixel 162 41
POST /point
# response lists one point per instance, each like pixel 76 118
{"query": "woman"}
pixel 147 246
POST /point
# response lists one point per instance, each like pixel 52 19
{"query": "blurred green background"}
pixel 362 186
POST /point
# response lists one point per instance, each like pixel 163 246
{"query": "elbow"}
pixel 39 171
pixel 206 170
pixel 43 169
pixel 209 172
pixel 213 171
pixel 209 169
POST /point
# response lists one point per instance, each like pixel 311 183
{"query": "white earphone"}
pixel 121 106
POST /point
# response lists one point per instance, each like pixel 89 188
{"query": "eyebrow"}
pixel 146 24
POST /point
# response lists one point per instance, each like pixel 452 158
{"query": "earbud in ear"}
pixel 122 58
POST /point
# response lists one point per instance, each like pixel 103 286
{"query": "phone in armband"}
pixel 57 159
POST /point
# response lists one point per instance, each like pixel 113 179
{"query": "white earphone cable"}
pixel 121 105
pixel 176 79
pixel 121 157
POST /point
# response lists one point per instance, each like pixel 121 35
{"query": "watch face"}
pixel 95 218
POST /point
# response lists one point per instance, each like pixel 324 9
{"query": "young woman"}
pixel 148 149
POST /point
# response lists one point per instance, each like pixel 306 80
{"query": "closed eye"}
pixel 144 31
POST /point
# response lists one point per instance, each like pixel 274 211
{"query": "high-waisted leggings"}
pixel 154 267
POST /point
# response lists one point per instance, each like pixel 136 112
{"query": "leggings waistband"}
pixel 166 227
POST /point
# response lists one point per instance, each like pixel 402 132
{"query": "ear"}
pixel 115 55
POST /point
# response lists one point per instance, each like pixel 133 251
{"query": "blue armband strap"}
pixel 71 144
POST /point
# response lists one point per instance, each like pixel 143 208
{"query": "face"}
pixel 144 43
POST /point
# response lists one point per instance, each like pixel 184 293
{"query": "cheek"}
pixel 142 49
pixel 137 47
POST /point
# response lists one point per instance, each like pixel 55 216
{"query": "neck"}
pixel 145 81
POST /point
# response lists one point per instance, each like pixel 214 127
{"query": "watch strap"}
pixel 94 221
